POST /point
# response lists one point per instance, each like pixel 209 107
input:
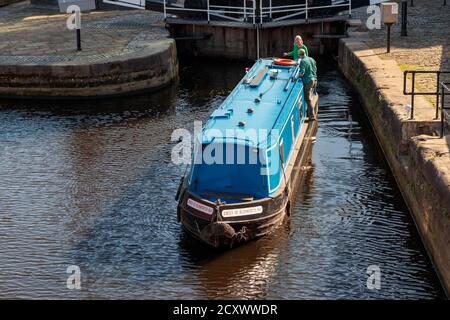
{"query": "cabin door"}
pixel 136 4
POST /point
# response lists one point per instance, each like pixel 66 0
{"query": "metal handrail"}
pixel 297 9
pixel 215 10
pixel 445 90
pixel 225 11
pixel 413 91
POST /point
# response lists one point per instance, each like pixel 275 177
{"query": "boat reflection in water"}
pixel 242 273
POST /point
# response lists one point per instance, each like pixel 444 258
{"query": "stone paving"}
pixel 422 168
pixel 427 46
pixel 31 34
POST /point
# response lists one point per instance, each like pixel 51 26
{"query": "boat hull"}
pixel 218 231
pixel 230 233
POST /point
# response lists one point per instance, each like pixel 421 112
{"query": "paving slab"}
pixel 122 51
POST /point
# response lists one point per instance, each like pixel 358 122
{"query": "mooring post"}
pixel 404 32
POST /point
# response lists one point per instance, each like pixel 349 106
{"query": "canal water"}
pixel 92 184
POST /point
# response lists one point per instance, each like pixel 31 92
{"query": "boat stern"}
pixel 227 225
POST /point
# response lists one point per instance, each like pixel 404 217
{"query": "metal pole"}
pixel 254 12
pixel 270 14
pixel 207 2
pixel 260 13
pixel 78 39
pixel 438 78
pixel 245 10
pixel 78 28
pixel 257 42
pixel 306 10
pixel 404 18
pixel 412 95
pixel 445 2
pixel 350 8
pixel 442 111
pixel 165 13
pixel 388 45
pixel 412 3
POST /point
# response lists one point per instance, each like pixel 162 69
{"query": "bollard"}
pixel 404 31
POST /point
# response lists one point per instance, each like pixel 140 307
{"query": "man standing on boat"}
pixel 298 44
pixel 308 73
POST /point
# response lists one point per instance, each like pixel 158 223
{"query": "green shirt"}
pixel 308 69
pixel 294 53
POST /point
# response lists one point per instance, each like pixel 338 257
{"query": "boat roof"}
pixel 270 100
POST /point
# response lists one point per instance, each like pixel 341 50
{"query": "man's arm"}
pixel 290 54
pixel 302 69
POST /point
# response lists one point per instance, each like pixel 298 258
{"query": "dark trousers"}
pixel 308 93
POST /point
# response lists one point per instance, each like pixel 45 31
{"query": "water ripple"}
pixel 94 186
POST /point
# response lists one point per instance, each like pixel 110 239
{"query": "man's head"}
pixel 301 53
pixel 298 40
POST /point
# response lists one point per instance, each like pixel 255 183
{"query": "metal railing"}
pixel 413 91
pixel 445 90
pixel 234 13
pixel 290 11
pixel 253 11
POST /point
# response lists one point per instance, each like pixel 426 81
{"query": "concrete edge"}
pixel 395 133
pixel 153 67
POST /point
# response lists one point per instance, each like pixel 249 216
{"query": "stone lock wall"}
pixel 406 144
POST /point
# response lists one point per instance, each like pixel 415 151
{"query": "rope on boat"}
pixel 241 235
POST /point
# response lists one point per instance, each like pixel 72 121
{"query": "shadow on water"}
pixel 93 185
pixel 149 103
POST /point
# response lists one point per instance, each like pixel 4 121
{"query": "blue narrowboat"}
pixel 249 157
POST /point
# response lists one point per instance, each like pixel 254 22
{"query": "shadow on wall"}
pixel 8 2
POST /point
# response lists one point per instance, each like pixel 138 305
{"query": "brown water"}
pixel 92 185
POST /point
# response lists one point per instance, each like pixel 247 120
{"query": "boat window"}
pixel 232 176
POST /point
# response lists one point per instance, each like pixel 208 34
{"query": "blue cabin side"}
pixel 249 140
